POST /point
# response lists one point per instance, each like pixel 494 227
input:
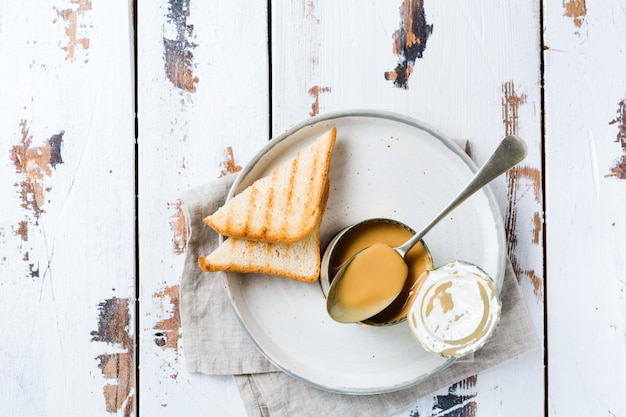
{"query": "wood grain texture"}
pixel 203 113
pixel 478 77
pixel 472 70
pixel 67 211
pixel 585 89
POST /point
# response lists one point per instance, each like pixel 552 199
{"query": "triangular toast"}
pixel 284 206
pixel 299 260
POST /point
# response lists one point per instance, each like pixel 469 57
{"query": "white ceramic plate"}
pixel 383 165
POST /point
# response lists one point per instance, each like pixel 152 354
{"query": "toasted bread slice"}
pixel 298 260
pixel 284 206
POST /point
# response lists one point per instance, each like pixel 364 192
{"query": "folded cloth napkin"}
pixel 215 343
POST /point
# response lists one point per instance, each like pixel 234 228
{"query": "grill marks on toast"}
pixel 273 226
pixel 283 206
pixel 316 173
pixel 298 260
pixel 292 186
pixel 270 206
pixel 250 213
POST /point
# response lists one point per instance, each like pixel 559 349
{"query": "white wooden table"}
pixel 89 274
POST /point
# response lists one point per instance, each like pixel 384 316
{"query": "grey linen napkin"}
pixel 215 343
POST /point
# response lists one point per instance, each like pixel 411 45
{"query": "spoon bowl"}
pixel 419 260
pixel 511 150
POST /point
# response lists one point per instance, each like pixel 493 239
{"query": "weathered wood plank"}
pixel 585 96
pixel 203 112
pixel 472 72
pixel 67 209
pixel 67 258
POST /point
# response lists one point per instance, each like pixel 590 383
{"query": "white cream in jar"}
pixel 455 310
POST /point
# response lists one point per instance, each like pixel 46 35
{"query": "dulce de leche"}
pixel 371 282
pixel 390 234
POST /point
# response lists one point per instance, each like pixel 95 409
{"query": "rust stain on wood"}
pixel 315 93
pixel 511 102
pixel 576 9
pixel 169 329
pixel 178 226
pixel 309 12
pixel 515 177
pixel 179 60
pixel 510 107
pixel 619 168
pixel 229 166
pixel 409 41
pixel 35 163
pixel 33 270
pixel 309 7
pixel 538 226
pixel 536 282
pixel 22 230
pixel 533 175
pixel 113 329
pixel 73 19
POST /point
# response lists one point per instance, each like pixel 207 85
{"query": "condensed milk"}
pixel 456 309
pixel 390 234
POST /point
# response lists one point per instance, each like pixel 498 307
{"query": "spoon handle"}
pixel 509 153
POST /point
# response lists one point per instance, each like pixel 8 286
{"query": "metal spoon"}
pixel 509 153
